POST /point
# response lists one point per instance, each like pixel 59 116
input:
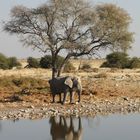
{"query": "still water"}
pixel 112 127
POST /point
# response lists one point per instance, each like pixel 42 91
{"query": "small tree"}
pixel 32 62
pixel 73 27
pixel 46 62
pixel 134 63
pixel 116 60
pixel 8 63
pixel 13 62
pixel 3 62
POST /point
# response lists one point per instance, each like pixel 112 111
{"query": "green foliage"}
pixel 3 62
pixel 8 63
pixel 32 62
pixel 12 61
pixel 134 63
pixel 46 62
pixel 116 60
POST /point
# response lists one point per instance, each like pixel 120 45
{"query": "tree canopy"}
pixel 72 26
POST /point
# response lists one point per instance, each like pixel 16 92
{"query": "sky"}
pixel 11 46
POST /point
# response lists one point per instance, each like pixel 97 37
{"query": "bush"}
pixel 12 62
pixel 33 62
pixel 8 63
pixel 86 66
pixel 3 62
pixel 134 63
pixel 116 60
pixel 46 62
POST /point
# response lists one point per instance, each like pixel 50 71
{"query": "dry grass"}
pixel 101 82
pixel 94 63
pixel 38 73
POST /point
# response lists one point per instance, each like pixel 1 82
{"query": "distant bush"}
pixel 8 63
pixel 3 62
pixel 12 62
pixel 116 60
pixel 134 63
pixel 33 62
pixel 46 62
pixel 85 66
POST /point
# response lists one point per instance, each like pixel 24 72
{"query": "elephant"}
pixel 64 85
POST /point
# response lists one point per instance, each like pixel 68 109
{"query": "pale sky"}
pixel 11 46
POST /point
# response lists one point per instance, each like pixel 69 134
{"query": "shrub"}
pixel 116 60
pixel 46 62
pixel 8 63
pixel 12 62
pixel 86 66
pixel 4 66
pixel 32 62
pixel 134 63
pixel 3 62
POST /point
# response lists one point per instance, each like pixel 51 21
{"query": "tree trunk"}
pixel 54 69
pixel 61 68
pixel 54 72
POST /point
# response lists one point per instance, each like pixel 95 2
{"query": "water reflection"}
pixel 0 126
pixel 112 127
pixel 64 128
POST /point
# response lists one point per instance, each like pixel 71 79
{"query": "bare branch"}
pixel 71 26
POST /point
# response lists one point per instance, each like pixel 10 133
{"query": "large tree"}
pixel 73 27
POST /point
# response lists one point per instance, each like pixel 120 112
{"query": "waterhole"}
pixel 111 127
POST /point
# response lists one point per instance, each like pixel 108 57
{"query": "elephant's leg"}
pixel 80 123
pixel 64 98
pixel 65 123
pixel 79 96
pixel 60 97
pixel 71 124
pixel 53 98
pixel 71 97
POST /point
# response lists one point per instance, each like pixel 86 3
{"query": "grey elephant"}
pixel 65 85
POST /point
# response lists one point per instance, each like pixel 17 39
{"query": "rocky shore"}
pixel 99 107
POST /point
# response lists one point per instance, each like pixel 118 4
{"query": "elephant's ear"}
pixel 69 82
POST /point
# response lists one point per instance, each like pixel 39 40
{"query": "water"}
pixel 112 127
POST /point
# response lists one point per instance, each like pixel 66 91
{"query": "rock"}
pixel 77 103
pixel 31 107
pixel 125 98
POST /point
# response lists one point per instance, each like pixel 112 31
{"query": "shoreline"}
pixel 82 109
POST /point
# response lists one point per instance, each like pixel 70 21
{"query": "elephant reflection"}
pixel 60 130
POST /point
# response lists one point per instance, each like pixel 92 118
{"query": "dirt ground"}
pixel 29 87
